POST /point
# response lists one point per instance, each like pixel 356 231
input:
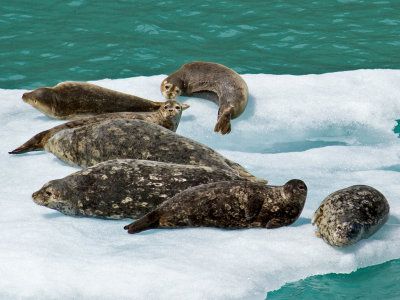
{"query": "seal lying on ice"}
pixel 74 100
pixel 351 214
pixel 230 205
pixel 123 188
pixel 168 116
pixel 136 139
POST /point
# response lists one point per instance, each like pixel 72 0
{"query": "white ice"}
pixel 331 130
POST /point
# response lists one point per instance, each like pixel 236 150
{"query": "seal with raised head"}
pixel 74 100
pixel 229 205
pixel 123 188
pixel 168 116
pixel 211 81
pixel 136 139
pixel 351 214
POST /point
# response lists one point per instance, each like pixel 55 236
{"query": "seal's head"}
pixel 171 88
pixel 172 108
pixel 50 196
pixel 341 234
pixel 296 189
pixel 42 99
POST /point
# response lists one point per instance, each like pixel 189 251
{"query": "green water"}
pixel 44 42
pixel 376 282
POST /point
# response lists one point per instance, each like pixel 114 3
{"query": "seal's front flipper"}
pixel 149 221
pixel 223 123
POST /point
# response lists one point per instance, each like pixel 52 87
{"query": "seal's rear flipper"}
pixel 26 148
pixel 36 143
pixel 223 123
pixel 149 221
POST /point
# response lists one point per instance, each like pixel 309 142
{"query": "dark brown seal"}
pixel 351 214
pixel 136 139
pixel 123 188
pixel 73 100
pixel 213 82
pixel 230 205
pixel 167 116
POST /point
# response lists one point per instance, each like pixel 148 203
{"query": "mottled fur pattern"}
pixel 168 116
pixel 123 188
pixel 351 214
pixel 229 205
pixel 74 100
pixel 210 81
pixel 135 139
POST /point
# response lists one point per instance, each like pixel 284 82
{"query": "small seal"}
pixel 211 81
pixel 168 116
pixel 351 214
pixel 74 100
pixel 135 139
pixel 229 205
pixel 123 188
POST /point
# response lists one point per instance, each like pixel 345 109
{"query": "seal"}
pixel 229 205
pixel 73 100
pixel 123 188
pixel 135 139
pixel 211 81
pixel 351 214
pixel 168 116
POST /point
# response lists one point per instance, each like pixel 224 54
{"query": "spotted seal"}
pixel 73 100
pixel 136 139
pixel 230 205
pixel 214 82
pixel 168 116
pixel 123 188
pixel 351 214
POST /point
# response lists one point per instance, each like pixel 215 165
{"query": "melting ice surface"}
pixel 331 130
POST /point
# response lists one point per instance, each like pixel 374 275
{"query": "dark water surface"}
pixel 45 42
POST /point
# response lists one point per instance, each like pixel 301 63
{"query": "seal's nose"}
pixel 25 96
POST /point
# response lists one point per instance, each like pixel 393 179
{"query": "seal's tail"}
pixel 34 144
pixel 149 221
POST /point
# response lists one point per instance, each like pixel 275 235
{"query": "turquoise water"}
pixel 49 41
pixel 374 282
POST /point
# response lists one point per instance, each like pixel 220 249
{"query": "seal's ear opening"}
pixel 185 106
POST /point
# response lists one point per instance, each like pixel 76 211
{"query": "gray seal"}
pixel 211 81
pixel 229 205
pixel 73 100
pixel 123 188
pixel 135 139
pixel 168 116
pixel 351 214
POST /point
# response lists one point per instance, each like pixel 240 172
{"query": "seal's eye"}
pixel 165 106
pixel 167 87
pixel 48 193
pixel 302 187
pixel 177 107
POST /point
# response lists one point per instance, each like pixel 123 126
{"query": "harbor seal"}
pixel 351 214
pixel 229 205
pixel 211 81
pixel 123 188
pixel 73 100
pixel 136 139
pixel 168 116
